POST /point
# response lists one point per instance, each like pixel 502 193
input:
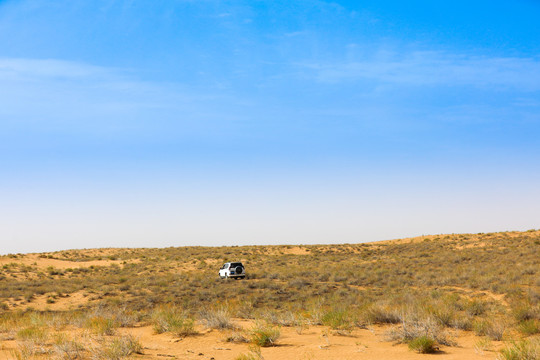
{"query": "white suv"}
pixel 233 270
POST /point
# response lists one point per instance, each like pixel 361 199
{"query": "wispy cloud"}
pixel 11 68
pixel 65 100
pixel 66 90
pixel 434 68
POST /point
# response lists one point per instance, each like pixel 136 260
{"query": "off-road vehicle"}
pixel 233 270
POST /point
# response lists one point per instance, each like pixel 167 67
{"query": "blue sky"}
pixel 169 123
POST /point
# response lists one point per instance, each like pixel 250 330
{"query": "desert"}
pixel 456 296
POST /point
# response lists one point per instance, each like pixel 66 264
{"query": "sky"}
pixel 129 123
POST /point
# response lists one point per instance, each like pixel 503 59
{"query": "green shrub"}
pixel 33 334
pixel 423 345
pixel 524 312
pixel 337 320
pixel 264 335
pixel 444 314
pixel 169 319
pixel 476 308
pixel 523 350
pixel 529 327
pixel 494 329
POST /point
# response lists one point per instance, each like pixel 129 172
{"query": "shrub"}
pixel 482 345
pixel 264 335
pixel 337 320
pixel 66 349
pixel 462 322
pixel 101 325
pixel 217 319
pixel 254 354
pixel 494 329
pixel 172 320
pixel 127 345
pixel 476 308
pixel 444 314
pixel 117 348
pixel 413 329
pixel 423 345
pixel 529 327
pixel 523 350
pixel 378 314
pixel 33 333
pixel 524 312
pixel 237 337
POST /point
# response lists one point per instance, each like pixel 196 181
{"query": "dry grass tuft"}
pixel 264 335
pixel 217 319
pixel 171 319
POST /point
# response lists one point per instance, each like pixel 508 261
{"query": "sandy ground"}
pixel 313 343
pixel 44 263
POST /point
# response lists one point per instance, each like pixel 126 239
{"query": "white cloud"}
pixel 434 68
pixel 66 93
pixel 48 68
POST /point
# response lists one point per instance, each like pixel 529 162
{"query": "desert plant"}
pixel 253 354
pixel 67 349
pixel 101 326
pixel 482 345
pixel 413 329
pixel 170 319
pixel 25 350
pixel 37 334
pixel 382 314
pixel 337 320
pixel 264 335
pixel 524 311
pixel 217 319
pixel 476 308
pixel 529 327
pixel 444 314
pixel 462 322
pixel 522 350
pixel 423 345
pixel 237 337
pixel 494 329
pixel 116 349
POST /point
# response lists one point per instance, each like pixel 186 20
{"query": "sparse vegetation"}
pixel 264 335
pixel 423 345
pixel 522 350
pixel 253 354
pixel 173 320
pixel 217 318
pixel 418 290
